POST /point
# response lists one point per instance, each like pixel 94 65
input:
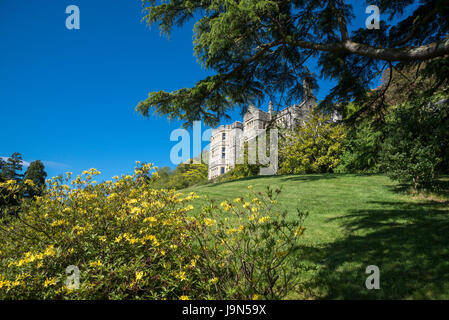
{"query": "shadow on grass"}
pixel 219 183
pixel 283 178
pixel 440 189
pixel 309 177
pixel 292 178
pixel 323 176
pixel 409 243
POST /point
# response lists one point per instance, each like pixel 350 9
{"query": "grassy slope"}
pixel 355 221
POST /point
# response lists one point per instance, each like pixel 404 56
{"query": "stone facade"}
pixel 226 140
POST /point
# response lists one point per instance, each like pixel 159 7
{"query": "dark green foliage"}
pixel 164 175
pixel 258 49
pixel 15 186
pixel 36 173
pixel 362 150
pixel 416 143
pixel 240 171
pixel 183 176
pixel 12 167
pixel 11 196
pixel 2 164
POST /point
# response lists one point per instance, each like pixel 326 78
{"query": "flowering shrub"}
pixel 314 147
pixel 10 196
pixel 248 245
pixel 130 241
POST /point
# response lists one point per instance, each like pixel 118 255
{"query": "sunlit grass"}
pixel 355 221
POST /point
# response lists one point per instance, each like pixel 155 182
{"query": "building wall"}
pixel 227 140
pixel 222 155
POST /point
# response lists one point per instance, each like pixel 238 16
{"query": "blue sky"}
pixel 67 97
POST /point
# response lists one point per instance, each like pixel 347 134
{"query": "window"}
pixel 222 171
pixel 223 136
pixel 223 153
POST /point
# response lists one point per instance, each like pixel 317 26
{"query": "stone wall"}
pixel 226 144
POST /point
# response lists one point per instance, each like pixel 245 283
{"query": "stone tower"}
pixel 226 140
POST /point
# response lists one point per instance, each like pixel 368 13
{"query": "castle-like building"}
pixel 226 141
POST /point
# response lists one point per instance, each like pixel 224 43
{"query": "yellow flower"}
pixel 209 222
pixel 96 264
pixel 29 182
pixel 213 280
pixel 225 206
pixel 299 231
pixel 150 219
pixel 264 219
pixel 255 297
pixel 49 282
pixel 231 231
pixel 181 275
pixel 139 275
pixel 50 251
pixel 281 254
pixel 58 223
pixel 250 187
pixel 184 298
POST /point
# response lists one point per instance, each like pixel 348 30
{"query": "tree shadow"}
pixel 408 242
pixel 323 176
pixel 440 189
pixel 219 183
pixel 309 177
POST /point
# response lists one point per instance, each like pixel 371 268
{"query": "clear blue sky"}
pixel 67 97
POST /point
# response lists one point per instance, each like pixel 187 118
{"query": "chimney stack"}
pixel 270 109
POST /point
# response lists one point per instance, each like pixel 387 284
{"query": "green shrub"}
pixel 415 148
pixel 251 258
pixel 362 147
pixel 240 171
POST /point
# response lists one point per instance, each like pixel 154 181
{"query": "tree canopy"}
pixel 259 48
pixel 11 168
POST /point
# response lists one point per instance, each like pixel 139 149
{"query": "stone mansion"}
pixel 226 140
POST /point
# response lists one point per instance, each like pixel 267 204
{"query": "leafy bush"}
pixel 253 257
pixel 15 186
pixel 362 147
pixel 415 148
pixel 12 193
pixel 240 171
pixel 130 241
pixel 183 176
pixel 314 147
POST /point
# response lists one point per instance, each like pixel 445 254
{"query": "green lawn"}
pixel 355 221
